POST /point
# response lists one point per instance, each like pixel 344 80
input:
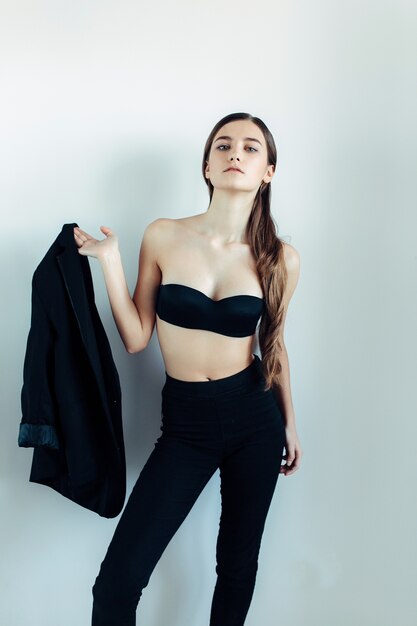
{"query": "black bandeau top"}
pixel 234 316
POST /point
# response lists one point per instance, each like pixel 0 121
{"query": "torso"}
pixel 190 258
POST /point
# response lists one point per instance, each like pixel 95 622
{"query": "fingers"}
pixel 79 231
pixel 290 456
pixel 78 238
pixel 81 234
pixel 90 246
pixel 293 461
pixel 106 230
pixel 293 469
pixel 81 239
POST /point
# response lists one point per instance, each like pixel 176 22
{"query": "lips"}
pixel 234 169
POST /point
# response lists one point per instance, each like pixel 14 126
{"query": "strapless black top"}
pixel 234 316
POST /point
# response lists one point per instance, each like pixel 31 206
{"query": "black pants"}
pixel 229 423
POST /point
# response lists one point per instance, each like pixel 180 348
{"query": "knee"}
pixel 115 601
pixel 237 563
pixel 238 574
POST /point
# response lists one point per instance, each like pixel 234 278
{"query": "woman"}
pixel 207 280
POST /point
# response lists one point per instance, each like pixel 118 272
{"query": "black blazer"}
pixel 71 396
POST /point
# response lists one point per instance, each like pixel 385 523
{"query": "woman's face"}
pixel 240 144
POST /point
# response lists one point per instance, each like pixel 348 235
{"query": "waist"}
pixel 249 375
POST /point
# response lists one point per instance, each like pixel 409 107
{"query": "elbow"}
pixel 142 339
pixel 135 349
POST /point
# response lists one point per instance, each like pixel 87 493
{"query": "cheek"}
pixel 214 159
pixel 261 168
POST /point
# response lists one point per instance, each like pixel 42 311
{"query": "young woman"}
pixel 207 280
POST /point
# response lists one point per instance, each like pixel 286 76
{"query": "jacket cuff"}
pixel 35 435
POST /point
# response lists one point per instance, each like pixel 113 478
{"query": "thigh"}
pixel 248 477
pixel 165 491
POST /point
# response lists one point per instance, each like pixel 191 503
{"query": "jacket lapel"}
pixel 78 282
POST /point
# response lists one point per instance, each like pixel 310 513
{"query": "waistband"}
pixel 250 374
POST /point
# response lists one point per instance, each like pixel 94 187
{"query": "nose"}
pixel 235 156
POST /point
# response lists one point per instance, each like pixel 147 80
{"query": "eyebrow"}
pixel 245 138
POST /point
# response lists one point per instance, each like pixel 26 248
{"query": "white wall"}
pixel 105 109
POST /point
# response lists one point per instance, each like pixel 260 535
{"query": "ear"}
pixel 270 172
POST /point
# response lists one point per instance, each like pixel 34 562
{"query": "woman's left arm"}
pixel 282 392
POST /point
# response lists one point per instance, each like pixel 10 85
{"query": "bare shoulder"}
pixel 292 258
pixel 159 225
pixel 158 230
pixel 163 226
pixel 165 230
pixel 292 263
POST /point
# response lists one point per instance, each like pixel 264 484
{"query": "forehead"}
pixel 240 129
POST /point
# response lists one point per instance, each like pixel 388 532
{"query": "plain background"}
pixel 105 109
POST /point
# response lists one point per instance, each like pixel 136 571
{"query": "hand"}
pixel 88 246
pixel 293 452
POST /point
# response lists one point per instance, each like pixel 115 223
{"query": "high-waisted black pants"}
pixel 230 424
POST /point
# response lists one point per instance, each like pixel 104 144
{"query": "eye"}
pixel 223 145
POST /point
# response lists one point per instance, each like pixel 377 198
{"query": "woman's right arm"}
pixel 134 332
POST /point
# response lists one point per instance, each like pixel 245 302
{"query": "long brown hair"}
pixel 268 250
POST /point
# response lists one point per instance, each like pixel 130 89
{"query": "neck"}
pixel 227 215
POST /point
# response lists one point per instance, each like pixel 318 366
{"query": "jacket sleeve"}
pixel 38 425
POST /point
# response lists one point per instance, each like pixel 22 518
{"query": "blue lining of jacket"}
pixel 34 435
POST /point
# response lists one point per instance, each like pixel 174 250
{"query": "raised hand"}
pixel 98 248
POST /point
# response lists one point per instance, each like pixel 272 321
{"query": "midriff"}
pixel 198 355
